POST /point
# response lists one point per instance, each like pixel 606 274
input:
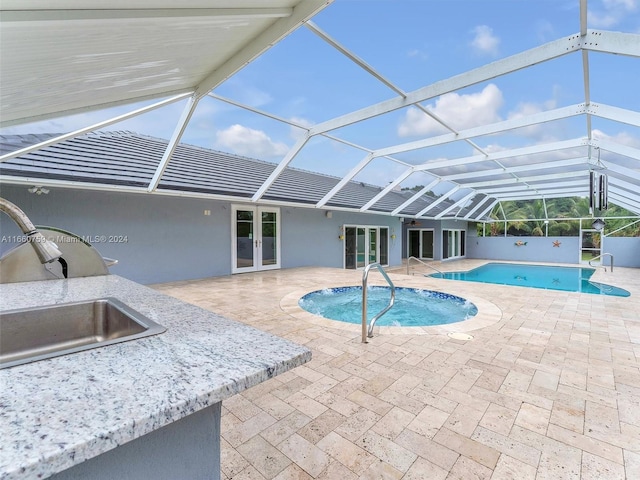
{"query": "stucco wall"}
pixel 626 251
pixel 537 249
pixel 309 238
pixel 170 238
pixel 437 226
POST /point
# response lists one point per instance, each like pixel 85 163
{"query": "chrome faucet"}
pixel 46 250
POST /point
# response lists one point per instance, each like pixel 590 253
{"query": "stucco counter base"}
pixel 57 413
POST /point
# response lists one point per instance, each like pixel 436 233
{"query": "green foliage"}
pixel 527 217
pixel 415 188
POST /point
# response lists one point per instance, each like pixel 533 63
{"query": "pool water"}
pixel 413 307
pixel 569 279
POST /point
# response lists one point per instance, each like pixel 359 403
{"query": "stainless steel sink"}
pixel 31 334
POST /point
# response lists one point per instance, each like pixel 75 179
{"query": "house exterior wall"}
pixel 169 238
pixel 309 238
pixel 437 226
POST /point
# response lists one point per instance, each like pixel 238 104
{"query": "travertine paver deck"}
pixel 548 388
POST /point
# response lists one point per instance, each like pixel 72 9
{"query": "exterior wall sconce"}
pixel 328 214
pixel 341 233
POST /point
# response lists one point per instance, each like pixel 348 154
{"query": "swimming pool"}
pixel 569 279
pixel 413 307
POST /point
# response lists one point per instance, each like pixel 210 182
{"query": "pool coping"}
pixel 488 314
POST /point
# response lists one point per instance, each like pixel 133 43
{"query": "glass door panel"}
pixel 269 241
pixel 426 248
pixel 244 239
pixel 453 243
pixel 350 247
pixel 414 243
pixel 383 256
pixel 361 246
pixel 590 245
pixel 373 245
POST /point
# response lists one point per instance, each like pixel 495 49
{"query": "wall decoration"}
pixel 520 243
pixel 557 243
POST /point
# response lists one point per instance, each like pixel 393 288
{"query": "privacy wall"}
pixel 626 251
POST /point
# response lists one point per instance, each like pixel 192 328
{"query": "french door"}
pixel 255 242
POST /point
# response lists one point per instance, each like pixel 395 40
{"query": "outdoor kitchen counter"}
pixel 57 413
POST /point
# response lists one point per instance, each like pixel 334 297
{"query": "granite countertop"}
pixel 59 412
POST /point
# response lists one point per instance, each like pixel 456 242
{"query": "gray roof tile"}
pixel 126 158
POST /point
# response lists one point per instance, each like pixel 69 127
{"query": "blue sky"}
pixel 413 44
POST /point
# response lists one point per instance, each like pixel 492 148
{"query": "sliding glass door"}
pixel 364 245
pixel 453 243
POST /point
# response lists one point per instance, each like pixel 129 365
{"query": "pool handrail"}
pixel 601 264
pixel 365 274
pixel 423 263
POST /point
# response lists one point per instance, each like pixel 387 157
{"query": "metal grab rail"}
pixel 423 263
pixel 369 333
pixel 600 256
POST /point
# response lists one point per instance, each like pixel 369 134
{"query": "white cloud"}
pixel 484 41
pixel 545 31
pixel 419 54
pixel 627 4
pixel 494 147
pixel 458 111
pixel 612 13
pixel 247 141
pixel 623 138
pixel 297 133
pixel 541 132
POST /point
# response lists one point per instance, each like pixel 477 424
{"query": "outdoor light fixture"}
pixel 598 224
pixel 38 190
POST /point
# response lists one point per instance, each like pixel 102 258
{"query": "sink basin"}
pixel 31 334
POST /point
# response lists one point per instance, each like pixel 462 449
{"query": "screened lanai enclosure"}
pixel 522 116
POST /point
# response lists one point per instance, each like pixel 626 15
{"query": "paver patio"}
pixel 548 388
